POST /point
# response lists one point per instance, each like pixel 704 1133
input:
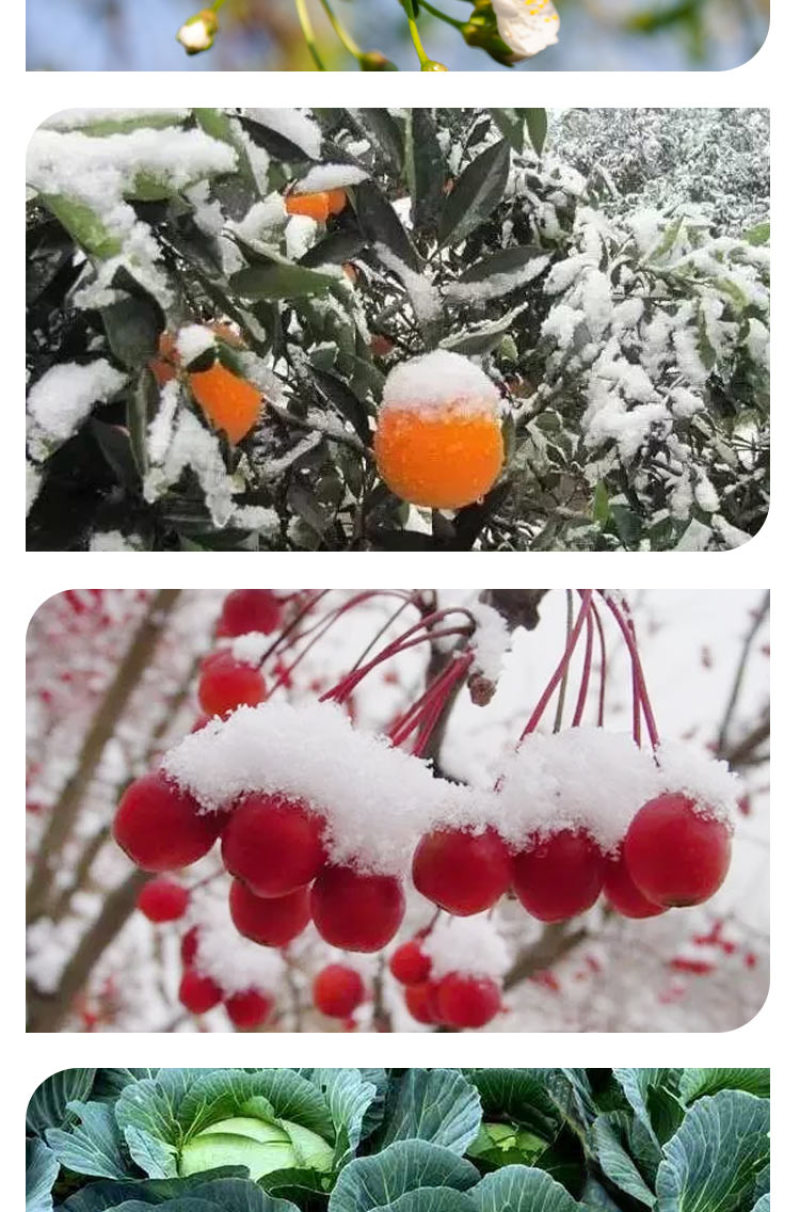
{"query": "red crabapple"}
pixel 559 875
pixel 421 1002
pixel 161 827
pixel 354 911
pixel 676 855
pixel 163 900
pixel 623 895
pixel 198 993
pixel 226 684
pixel 409 964
pixel 468 1001
pixel 460 871
pixel 337 991
pixel 189 945
pixel 246 610
pixel 274 922
pixel 273 844
pixel 249 1008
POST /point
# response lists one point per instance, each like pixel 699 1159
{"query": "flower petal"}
pixel 527 26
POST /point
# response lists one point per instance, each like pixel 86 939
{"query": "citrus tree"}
pixel 393 810
pixel 371 329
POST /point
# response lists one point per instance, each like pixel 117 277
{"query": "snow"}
pixel 472 946
pixel 300 236
pixel 251 647
pixel 159 431
pixel 580 778
pixel 490 641
pixel 234 962
pixel 710 783
pixel 329 176
pixel 420 289
pixel 192 341
pixel 65 395
pixel 192 445
pixel 312 751
pixel 293 124
pixel 111 540
pixel 102 171
pixel 496 285
pixel 262 219
pixel 440 379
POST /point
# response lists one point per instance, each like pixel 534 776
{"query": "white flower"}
pixel 526 26
pixel 198 33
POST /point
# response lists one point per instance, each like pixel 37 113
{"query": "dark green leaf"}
pixel 279 281
pixel 476 193
pixel 378 221
pixel 436 1105
pixel 426 170
pixel 48 1105
pixel 536 120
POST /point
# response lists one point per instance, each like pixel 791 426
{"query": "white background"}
pixel 769 560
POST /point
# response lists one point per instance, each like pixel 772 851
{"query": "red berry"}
pixel 462 872
pixel 198 993
pixel 337 990
pixel 675 855
pixel 189 945
pixel 161 827
pixel 623 895
pixel 356 912
pixel 468 1001
pixel 246 610
pixel 422 1004
pixel 274 922
pixel 226 684
pixel 274 845
pixel 410 965
pixel 163 900
pixel 249 1009
pixel 559 875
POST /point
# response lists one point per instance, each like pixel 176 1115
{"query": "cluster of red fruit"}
pixel 457 999
pixel 672 855
pixel 162 900
pixel 225 682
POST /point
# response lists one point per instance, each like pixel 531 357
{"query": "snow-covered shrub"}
pixel 627 332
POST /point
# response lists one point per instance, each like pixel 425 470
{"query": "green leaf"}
pixel 600 508
pixel 157 1158
pixel 476 193
pixel 431 1199
pixel 637 1083
pixel 373 1182
pixel 511 124
pixel 763 1204
pixel 94 1146
pixel 521 1189
pixel 506 261
pixel 696 1082
pixel 337 393
pixel 48 1105
pixel 483 338
pixel 426 170
pixel 611 1143
pixel 133 326
pixel 279 281
pixel 536 120
pixel 41 1171
pixel 104 1194
pixel 349 1096
pixel 380 224
pixel 519 1095
pixel 383 132
pixel 277 145
pixel 758 234
pixel 436 1105
pixel 85 227
pixel 241 1195
pixel 333 249
pixel 712 1162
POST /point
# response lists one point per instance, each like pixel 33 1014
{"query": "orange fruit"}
pixel 229 403
pixel 319 206
pixel 439 439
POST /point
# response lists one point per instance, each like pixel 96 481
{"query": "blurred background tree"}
pixel 596 35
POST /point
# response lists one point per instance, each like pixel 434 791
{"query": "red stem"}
pixel 586 673
pixel 541 706
pixel 638 673
pixel 601 698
